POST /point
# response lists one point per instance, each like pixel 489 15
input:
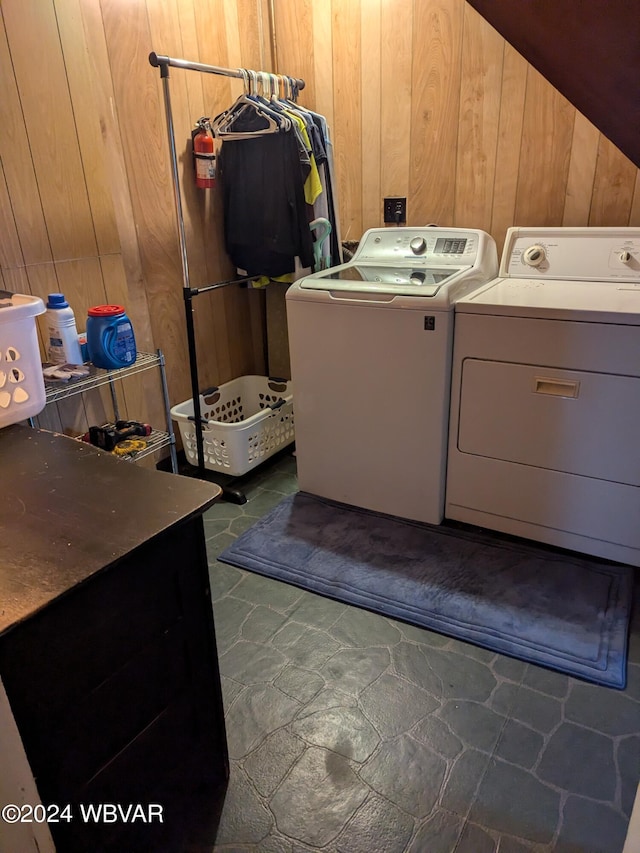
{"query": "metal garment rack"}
pixel 189 293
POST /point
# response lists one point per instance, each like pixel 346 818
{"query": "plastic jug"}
pixel 110 339
pixel 62 343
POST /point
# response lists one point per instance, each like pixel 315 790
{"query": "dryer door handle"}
pixel 556 387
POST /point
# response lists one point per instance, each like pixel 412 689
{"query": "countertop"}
pixel 69 510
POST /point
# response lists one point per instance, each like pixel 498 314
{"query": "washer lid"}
pixel 365 278
pixel 587 301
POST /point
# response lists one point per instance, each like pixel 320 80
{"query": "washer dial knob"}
pixel 625 256
pixel 534 255
pixel 418 245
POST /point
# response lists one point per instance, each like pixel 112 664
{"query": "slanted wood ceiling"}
pixel 590 51
pixel 427 100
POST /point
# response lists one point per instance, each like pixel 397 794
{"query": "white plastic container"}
pixel 22 392
pixel 62 335
pixel 245 421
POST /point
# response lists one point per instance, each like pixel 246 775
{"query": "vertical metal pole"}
pixel 188 300
pixel 272 33
pixel 114 400
pixel 167 412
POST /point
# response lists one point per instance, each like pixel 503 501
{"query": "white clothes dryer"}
pixel 545 401
pixel 370 344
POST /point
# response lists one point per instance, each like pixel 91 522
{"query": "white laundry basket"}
pixel 245 421
pixel 22 393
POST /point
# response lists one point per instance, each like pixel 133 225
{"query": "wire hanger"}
pixel 222 125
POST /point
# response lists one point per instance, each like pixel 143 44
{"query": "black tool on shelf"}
pixel 108 436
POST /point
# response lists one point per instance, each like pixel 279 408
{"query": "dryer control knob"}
pixel 625 257
pixel 418 245
pixel 534 255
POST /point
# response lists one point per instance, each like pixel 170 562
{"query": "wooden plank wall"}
pixel 86 199
pixel 424 98
pixel 427 101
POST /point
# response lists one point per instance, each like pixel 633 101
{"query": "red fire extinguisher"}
pixel 204 154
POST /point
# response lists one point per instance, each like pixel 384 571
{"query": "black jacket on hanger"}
pixel 266 224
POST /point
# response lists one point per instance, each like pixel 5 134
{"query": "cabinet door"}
pixel 122 703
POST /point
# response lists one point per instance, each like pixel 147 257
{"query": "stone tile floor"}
pixel 353 733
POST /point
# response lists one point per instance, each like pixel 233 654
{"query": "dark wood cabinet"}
pixel 107 643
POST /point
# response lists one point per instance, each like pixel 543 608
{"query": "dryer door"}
pixel 576 422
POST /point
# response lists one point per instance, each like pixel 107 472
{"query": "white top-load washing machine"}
pixel 545 401
pixel 370 344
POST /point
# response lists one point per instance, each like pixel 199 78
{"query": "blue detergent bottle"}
pixel 110 339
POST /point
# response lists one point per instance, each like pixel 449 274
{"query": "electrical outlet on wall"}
pixel 395 210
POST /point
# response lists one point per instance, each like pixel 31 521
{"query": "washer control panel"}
pixel 439 263
pixel 572 254
pixel 421 246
